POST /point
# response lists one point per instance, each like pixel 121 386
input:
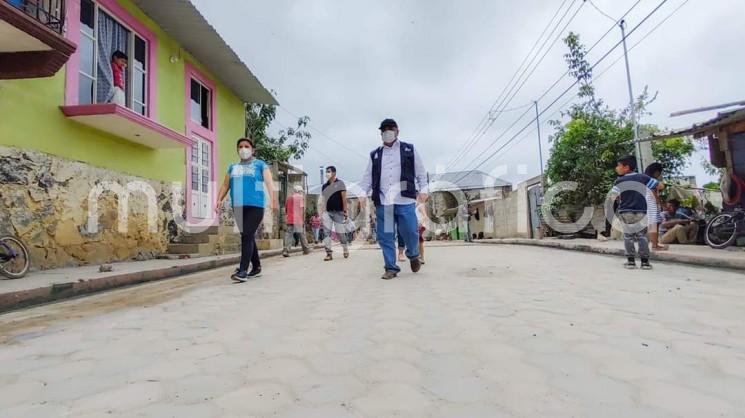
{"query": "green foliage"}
pixel 673 154
pixel 712 186
pixel 586 148
pixel 289 143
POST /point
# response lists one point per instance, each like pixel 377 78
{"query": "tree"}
pixel 586 148
pixel 289 143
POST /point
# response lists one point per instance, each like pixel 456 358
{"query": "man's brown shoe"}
pixel 388 275
pixel 346 254
pixel 329 257
pixel 416 264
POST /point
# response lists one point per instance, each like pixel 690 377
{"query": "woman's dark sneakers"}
pixel 630 264
pixel 646 265
pixel 240 276
pixel 255 273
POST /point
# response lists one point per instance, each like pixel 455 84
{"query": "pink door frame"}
pixel 72 76
pixel 210 135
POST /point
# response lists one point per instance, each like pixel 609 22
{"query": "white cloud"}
pixel 437 66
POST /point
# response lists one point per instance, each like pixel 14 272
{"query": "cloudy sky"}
pixel 437 66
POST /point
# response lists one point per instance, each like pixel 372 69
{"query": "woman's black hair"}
pixel 653 168
pixel 238 144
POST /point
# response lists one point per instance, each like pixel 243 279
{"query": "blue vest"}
pixel 408 172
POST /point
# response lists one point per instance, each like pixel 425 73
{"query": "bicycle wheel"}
pixel 721 232
pixel 16 267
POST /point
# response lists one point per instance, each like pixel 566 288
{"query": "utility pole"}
pixel 321 178
pixel 540 146
pixel 632 101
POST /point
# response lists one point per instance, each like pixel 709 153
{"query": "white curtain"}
pixel 112 37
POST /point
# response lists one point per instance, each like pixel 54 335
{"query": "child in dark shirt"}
pixel 630 188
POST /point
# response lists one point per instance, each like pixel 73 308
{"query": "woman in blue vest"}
pixel 247 181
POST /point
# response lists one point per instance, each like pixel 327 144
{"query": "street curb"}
pixel 59 291
pixel 735 264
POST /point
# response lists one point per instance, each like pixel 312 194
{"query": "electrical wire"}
pixel 545 109
pixel 494 106
pixel 601 11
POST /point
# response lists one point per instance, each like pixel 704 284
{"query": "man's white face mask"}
pixel 245 153
pixel 389 136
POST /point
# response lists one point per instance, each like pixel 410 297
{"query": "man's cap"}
pixel 388 123
pixel 298 188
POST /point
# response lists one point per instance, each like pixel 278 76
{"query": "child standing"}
pixel 631 188
pixel 118 67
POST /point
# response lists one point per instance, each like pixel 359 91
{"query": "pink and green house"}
pixel 65 148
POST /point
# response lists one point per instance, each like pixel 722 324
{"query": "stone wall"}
pixel 44 200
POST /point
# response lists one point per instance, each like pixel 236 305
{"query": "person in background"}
pixel 118 68
pixel 247 182
pixel 630 188
pixel 421 216
pixel 295 220
pixel 678 225
pixel 401 246
pixel 315 226
pixel 654 206
pixel 334 212
pixel 465 212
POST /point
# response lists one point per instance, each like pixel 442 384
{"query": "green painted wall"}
pixel 31 119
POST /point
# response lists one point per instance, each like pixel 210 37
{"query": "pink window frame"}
pixel 72 76
pixel 194 128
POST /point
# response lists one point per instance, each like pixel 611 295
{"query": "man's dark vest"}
pixel 408 172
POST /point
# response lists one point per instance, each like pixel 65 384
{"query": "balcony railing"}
pixel 50 13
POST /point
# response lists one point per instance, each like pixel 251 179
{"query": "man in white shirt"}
pixel 395 175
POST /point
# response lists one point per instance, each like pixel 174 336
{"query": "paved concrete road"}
pixel 481 332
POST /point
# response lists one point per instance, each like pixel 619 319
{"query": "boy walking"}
pixel 631 189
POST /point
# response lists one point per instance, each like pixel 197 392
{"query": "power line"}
pixel 605 71
pixel 601 11
pixel 512 92
pixel 547 91
pixel 556 39
pixel 545 109
pixel 494 106
pixel 354 152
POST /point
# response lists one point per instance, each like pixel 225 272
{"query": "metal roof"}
pixel 466 180
pixel 183 21
pixel 699 130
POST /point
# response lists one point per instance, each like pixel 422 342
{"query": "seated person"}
pixel 678 225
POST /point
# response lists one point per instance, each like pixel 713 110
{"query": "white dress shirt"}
pixel 390 176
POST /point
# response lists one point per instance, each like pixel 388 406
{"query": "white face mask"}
pixel 245 153
pixel 389 136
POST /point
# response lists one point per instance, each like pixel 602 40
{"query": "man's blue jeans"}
pixel 402 218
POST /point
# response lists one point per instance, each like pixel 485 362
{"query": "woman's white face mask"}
pixel 389 136
pixel 245 153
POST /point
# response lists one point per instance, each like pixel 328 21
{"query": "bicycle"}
pixel 14 258
pixel 724 229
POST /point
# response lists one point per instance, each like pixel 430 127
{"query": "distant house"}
pixel 450 191
pixel 156 154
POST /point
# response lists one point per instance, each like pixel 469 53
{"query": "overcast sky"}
pixel 437 66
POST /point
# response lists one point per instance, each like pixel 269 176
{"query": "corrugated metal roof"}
pixel 701 129
pixel 183 21
pixel 467 180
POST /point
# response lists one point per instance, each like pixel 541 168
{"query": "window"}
pixel 201 98
pixel 101 36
